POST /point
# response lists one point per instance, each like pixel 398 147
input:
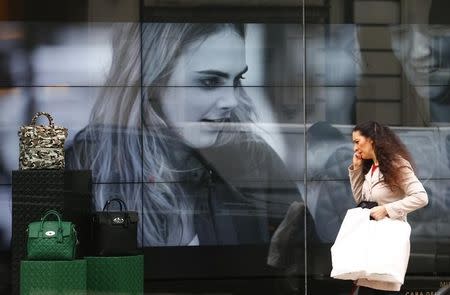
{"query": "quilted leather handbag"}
pixel 41 147
pixel 51 240
pixel 115 232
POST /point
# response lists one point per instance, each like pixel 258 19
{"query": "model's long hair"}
pixel 127 127
pixel 389 150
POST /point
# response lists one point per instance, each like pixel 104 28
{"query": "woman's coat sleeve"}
pixel 415 195
pixel 356 182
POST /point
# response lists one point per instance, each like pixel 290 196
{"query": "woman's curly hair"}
pixel 389 150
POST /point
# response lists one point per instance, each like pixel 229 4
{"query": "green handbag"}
pixel 51 240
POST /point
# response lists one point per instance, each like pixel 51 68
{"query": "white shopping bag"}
pixel 369 249
pixel 349 252
pixel 389 250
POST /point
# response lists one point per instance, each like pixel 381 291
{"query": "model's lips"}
pixel 219 120
pixel 425 70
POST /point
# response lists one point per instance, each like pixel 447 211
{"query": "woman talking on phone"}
pixel 382 172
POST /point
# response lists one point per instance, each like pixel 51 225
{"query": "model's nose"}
pixel 228 99
pixel 420 47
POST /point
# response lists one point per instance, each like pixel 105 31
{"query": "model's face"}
pixel 363 146
pixel 423 50
pixel 203 89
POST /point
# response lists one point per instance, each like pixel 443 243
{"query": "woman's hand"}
pixel 357 161
pixel 378 212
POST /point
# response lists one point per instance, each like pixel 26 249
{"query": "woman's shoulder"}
pixel 247 157
pixel 256 150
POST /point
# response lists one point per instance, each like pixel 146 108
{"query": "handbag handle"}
pixel 120 201
pixel 58 216
pixel 49 117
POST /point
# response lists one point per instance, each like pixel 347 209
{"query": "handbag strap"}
pixel 122 204
pixel 49 117
pixel 59 234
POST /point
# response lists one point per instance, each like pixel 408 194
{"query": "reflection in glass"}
pixel 329 193
pixel 423 48
pixel 333 70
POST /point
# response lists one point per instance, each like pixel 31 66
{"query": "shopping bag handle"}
pixel 122 204
pixel 49 117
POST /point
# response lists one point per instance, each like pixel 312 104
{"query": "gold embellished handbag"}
pixel 42 147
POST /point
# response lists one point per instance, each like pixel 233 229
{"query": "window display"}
pixel 227 129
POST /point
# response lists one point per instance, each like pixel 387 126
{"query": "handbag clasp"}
pixel 50 233
pixel 118 220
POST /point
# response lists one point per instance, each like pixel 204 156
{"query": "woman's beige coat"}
pixel 407 197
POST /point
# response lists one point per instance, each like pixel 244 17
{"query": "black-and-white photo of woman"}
pixel 172 133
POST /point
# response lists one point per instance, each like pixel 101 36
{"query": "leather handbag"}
pixel 51 240
pixel 41 147
pixel 367 204
pixel 115 232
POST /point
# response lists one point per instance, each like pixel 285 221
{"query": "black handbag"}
pixel 367 204
pixel 115 232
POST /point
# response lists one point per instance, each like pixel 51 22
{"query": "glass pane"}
pixel 382 61
pixel 421 44
pixel 251 54
pixel 214 159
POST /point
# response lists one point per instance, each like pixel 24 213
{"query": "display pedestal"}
pixel 53 277
pixel 115 275
pixel 36 191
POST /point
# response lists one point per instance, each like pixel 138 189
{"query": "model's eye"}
pixel 438 30
pixel 209 82
pixel 399 30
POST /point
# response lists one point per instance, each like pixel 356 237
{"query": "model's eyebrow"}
pixel 221 74
pixel 214 73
